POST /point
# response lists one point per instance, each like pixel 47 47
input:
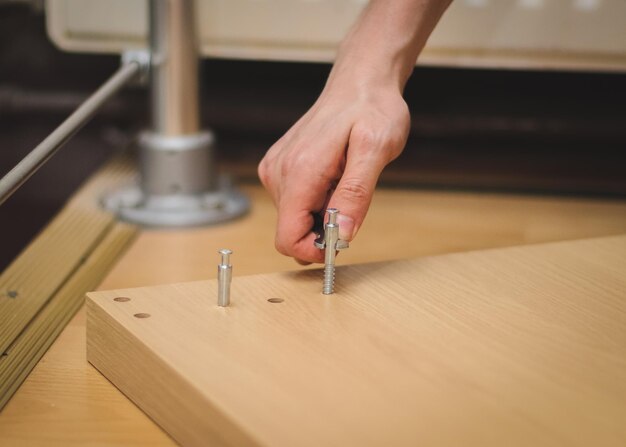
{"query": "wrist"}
pixel 381 49
pixel 366 65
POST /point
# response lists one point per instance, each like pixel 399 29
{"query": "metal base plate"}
pixel 177 210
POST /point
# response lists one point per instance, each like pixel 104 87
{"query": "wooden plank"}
pixel 46 283
pixel 55 254
pixel 32 343
pixel 65 401
pixel 516 346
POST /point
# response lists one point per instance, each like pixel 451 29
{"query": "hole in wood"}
pixel 121 299
pixel 275 300
pixel 142 315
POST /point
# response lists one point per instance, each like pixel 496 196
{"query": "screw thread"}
pixel 329 279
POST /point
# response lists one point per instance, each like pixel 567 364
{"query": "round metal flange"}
pixel 177 210
pixel 177 185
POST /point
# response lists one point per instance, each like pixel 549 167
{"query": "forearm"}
pixel 383 45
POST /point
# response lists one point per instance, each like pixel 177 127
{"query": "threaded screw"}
pixel 330 243
pixel 329 280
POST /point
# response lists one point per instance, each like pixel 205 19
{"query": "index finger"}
pixel 294 235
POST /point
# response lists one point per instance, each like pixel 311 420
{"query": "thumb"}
pixel 355 190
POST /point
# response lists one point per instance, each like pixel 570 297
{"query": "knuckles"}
pixel 381 138
pixel 353 190
pixel 263 173
pixel 367 137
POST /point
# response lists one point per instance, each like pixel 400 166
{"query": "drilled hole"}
pixel 142 315
pixel 121 299
pixel 275 300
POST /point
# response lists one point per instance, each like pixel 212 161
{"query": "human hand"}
pixel 332 157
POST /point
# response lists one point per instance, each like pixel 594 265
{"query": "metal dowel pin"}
pixel 224 278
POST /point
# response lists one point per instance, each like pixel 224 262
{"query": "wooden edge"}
pixel 129 356
pixel 56 253
pixel 126 362
pixel 48 324
pixel 51 300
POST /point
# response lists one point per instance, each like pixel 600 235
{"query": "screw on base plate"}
pixel 329 241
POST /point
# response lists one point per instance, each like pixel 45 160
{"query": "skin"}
pixel 333 155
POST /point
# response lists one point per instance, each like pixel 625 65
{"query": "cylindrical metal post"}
pixel 179 185
pixel 176 158
pixel 174 67
pixel 224 278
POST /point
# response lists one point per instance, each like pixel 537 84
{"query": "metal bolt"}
pixel 224 278
pixel 330 242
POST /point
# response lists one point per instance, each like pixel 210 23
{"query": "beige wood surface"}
pixel 402 223
pixel 65 401
pixel 518 346
pixel 44 286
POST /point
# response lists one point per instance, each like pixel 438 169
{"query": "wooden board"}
pixel 65 401
pixel 517 346
pixel 45 285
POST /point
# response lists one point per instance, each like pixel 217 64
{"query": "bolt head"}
pixel 332 215
pixel 225 252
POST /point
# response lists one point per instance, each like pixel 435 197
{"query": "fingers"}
pixel 306 170
pixel 352 144
pixel 304 191
pixel 295 220
pixel 366 158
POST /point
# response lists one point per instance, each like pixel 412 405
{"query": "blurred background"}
pixel 517 95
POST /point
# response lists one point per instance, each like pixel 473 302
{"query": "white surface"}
pixel 572 34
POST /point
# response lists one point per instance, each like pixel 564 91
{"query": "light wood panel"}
pixel 516 346
pixel 54 254
pixel 402 223
pixel 41 332
pixel 65 401
pixel 44 286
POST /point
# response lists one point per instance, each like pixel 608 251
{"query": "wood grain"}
pixel 55 254
pixel 402 223
pixel 44 286
pixel 65 401
pixel 517 346
pixel 41 332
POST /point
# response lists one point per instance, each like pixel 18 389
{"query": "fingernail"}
pixel 346 227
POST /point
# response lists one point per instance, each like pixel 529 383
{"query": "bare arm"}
pixel 333 156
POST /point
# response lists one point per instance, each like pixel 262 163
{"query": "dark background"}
pixel 481 130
